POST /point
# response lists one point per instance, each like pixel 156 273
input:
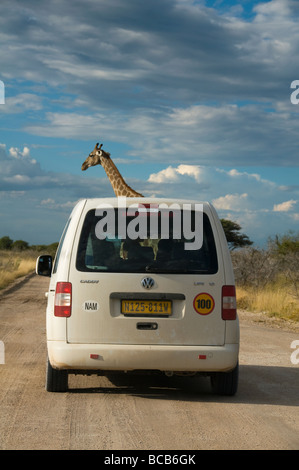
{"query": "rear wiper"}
pixel 175 270
pixel 153 268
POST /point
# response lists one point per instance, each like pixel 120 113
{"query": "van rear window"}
pixel 113 241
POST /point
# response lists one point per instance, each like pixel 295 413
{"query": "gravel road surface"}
pixel 151 413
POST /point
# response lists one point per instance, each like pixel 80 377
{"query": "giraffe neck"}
pixel 119 185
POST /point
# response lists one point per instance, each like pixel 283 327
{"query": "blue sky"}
pixel 191 98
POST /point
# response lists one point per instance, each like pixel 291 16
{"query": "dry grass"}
pixel 15 264
pixel 275 299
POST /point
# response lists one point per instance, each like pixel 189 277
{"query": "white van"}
pixel 142 284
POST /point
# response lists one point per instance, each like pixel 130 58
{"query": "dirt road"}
pixel 156 413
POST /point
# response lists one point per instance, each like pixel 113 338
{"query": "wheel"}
pixel 56 380
pixel 225 383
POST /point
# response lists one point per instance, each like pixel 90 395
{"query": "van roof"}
pixel 128 201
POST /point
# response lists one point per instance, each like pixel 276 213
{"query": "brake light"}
pixel 63 299
pixel 229 304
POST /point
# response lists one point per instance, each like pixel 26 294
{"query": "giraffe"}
pixel 100 157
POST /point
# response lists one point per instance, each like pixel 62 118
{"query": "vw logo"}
pixel 147 282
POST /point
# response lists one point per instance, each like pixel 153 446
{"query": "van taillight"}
pixel 63 299
pixel 229 304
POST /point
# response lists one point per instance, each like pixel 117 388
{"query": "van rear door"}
pixel 148 290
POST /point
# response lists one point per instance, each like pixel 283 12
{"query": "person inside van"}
pixel 134 251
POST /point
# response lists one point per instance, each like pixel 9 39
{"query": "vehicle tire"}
pixel 56 380
pixel 225 383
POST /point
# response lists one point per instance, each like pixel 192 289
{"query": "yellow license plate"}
pixel 146 307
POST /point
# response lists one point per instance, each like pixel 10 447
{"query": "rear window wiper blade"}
pixel 153 268
pixel 175 270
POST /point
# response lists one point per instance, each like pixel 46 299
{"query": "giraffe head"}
pixel 94 158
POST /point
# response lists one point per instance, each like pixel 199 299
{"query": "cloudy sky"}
pixel 192 98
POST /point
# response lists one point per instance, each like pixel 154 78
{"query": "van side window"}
pixel 56 261
pixel 111 252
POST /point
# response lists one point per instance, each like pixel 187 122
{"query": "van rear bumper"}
pixel 142 357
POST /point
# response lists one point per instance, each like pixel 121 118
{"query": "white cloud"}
pixel 164 176
pixel 23 102
pixel 171 175
pixel 229 202
pixel 284 206
pixel 236 173
pixel 192 135
pixel 19 154
pixel 18 179
pixel 46 202
pixel 18 171
pixel 52 204
pixel 244 197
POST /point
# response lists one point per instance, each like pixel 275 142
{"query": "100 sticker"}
pixel 204 303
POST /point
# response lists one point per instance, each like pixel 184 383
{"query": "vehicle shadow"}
pixel 257 385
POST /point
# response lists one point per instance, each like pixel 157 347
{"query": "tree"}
pixel 287 244
pixel 233 237
pixel 285 249
pixel 5 243
pixel 20 245
pixel 254 267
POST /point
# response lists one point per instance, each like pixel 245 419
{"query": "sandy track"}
pixel 152 413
